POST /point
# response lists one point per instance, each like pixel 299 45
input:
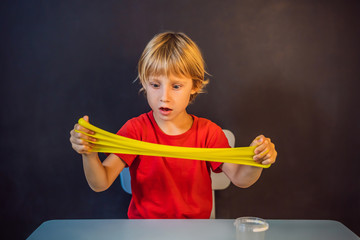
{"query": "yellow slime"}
pixel 112 143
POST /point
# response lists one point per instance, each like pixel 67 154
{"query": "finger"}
pixel 274 156
pixel 272 152
pixel 258 140
pixel 259 157
pixel 77 137
pixel 81 142
pixel 261 147
pixel 82 149
pixel 86 118
pixel 78 127
pixel 270 158
pixel 266 162
pixel 267 156
pixel 81 136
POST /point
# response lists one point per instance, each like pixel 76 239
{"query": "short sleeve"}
pixel 217 139
pixel 127 130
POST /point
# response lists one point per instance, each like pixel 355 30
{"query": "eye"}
pixel 154 85
pixel 176 86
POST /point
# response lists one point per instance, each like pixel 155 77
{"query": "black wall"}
pixel 287 69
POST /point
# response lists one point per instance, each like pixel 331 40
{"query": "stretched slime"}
pixel 112 143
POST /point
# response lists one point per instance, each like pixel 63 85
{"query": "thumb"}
pixel 257 141
pixel 86 118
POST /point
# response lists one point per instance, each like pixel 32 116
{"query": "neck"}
pixel 176 126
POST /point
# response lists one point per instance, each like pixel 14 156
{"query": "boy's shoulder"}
pixel 204 121
pixel 212 133
pixel 144 117
pixel 134 127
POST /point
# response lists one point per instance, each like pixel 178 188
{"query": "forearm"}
pixel 241 175
pixel 95 172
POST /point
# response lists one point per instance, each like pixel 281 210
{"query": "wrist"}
pixel 89 155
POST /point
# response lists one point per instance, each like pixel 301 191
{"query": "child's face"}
pixel 168 96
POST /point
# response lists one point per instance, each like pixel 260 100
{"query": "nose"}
pixel 165 95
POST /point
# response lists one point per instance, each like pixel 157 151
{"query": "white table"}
pixel 176 229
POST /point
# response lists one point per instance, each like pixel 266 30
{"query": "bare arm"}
pixel 241 175
pixel 245 176
pixel 99 175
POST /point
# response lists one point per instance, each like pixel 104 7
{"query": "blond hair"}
pixel 173 53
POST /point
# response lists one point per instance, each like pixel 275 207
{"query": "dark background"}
pixel 287 69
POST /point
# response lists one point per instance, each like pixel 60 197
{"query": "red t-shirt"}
pixel 164 187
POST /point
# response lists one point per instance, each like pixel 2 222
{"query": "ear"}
pixel 143 86
pixel 194 90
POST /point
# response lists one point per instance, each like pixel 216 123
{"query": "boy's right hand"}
pixel 78 144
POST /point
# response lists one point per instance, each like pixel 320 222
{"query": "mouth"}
pixel 165 110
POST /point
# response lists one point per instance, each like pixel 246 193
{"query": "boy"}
pixel 171 71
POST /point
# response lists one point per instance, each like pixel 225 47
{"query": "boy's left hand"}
pixel 265 152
